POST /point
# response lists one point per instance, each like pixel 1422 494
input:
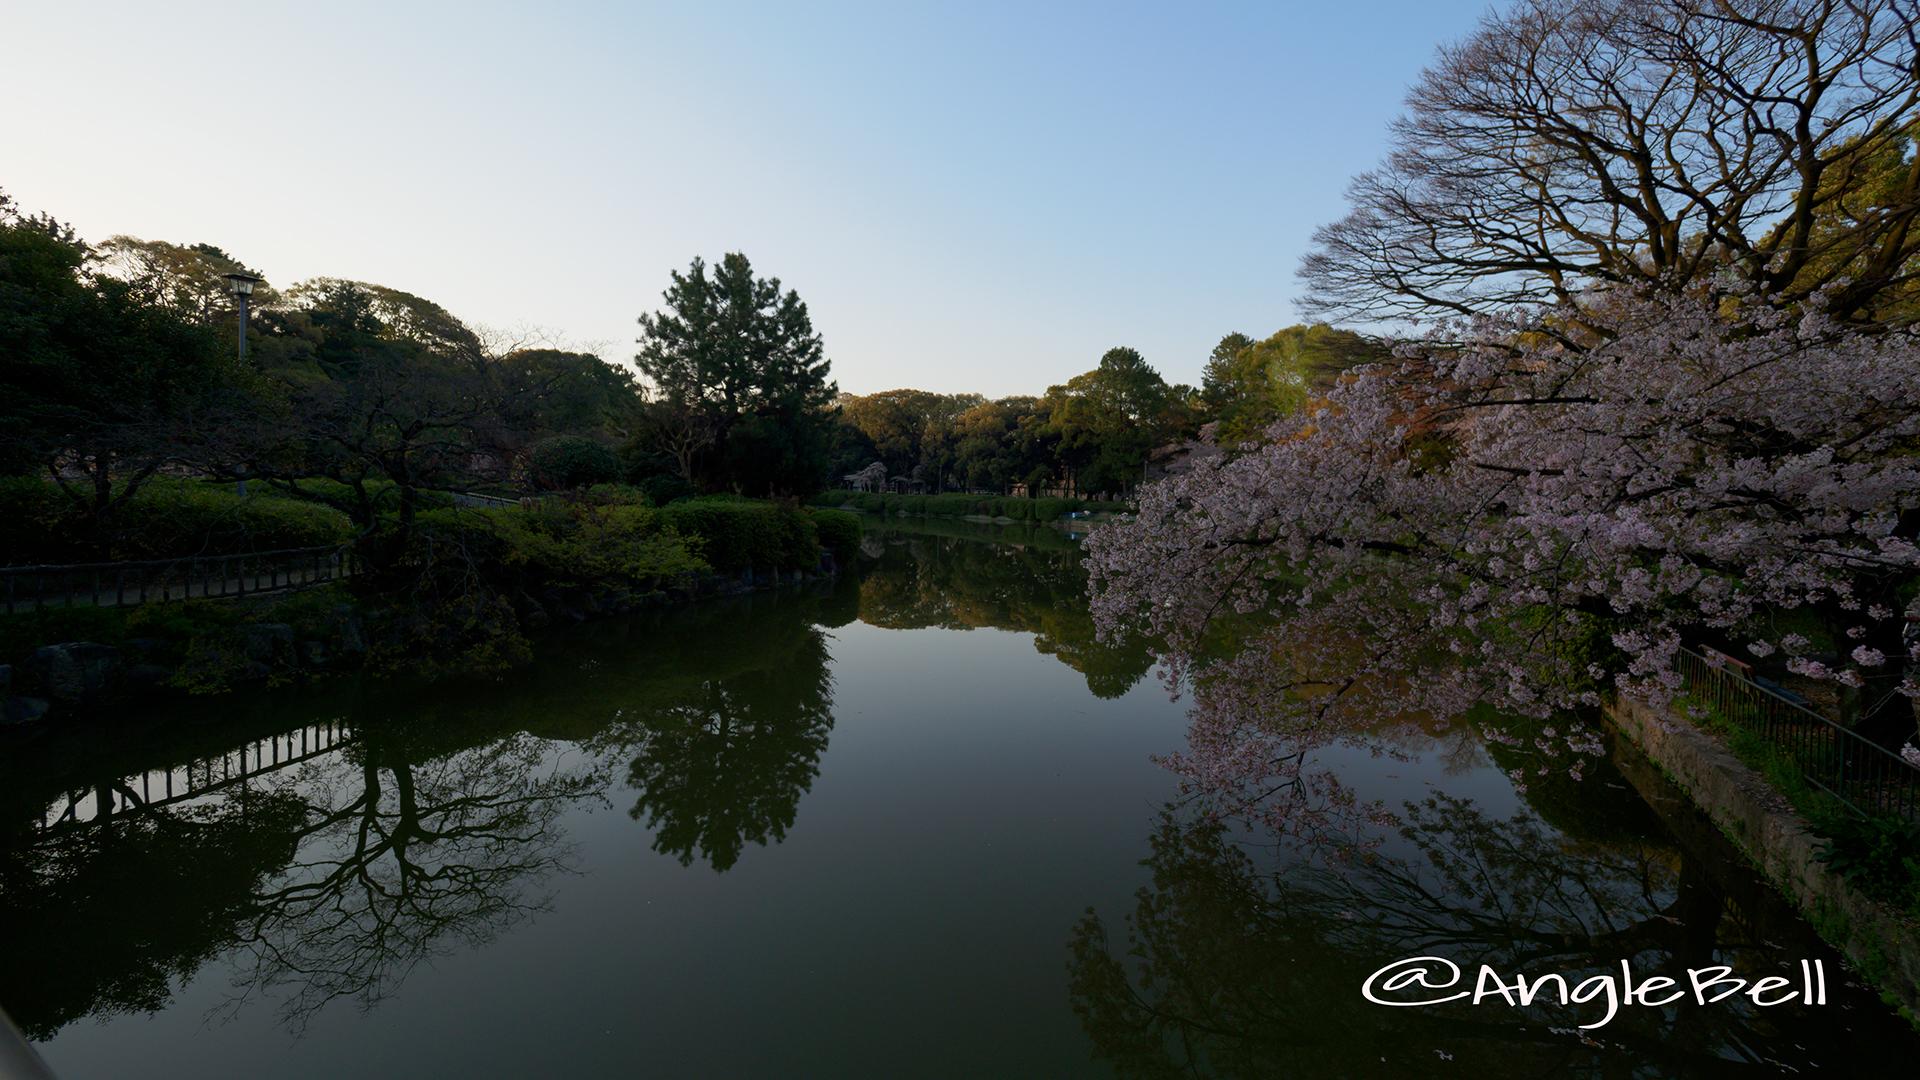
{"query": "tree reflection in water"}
pixel 332 879
pixel 403 857
pixel 440 824
pixel 434 829
pixel 1247 961
pixel 938 574
pixel 725 761
pixel 102 920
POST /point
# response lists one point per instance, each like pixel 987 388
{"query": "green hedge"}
pixel 962 505
pixel 385 494
pixel 610 532
pixel 186 517
pixel 737 533
pixel 838 531
pixel 565 540
pixel 164 519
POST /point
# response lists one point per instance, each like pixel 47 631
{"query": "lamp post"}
pixel 241 285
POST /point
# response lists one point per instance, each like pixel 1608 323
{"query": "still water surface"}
pixel 907 825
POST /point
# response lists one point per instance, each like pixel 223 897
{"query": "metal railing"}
pixel 29 588
pixel 474 498
pixel 1859 772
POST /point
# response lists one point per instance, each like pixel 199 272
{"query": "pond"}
pixel 909 823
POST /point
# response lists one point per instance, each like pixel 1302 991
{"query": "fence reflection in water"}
pixel 194 780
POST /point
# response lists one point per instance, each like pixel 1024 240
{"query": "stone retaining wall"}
pixel 64 676
pixel 1883 945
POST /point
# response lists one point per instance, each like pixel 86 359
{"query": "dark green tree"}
pixel 581 394
pixel 738 364
pixel 564 462
pixel 1106 422
pixel 984 447
pixel 101 383
pixel 366 417
pixel 908 430
pixel 1258 382
pixel 1216 380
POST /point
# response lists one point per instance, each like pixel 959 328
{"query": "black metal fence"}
pixel 29 588
pixel 1857 771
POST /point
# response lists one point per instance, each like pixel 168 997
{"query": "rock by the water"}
pixel 20 710
pixel 77 671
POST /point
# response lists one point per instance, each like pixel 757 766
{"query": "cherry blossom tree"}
pixel 1530 519
pixel 1570 143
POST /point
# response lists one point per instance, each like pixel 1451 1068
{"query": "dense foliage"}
pixel 735 535
pixel 1765 473
pixel 1879 855
pixel 101 385
pixel 740 394
pixel 159 519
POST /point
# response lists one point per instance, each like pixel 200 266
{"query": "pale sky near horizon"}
pixel 978 197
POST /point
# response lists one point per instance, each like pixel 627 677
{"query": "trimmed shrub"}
pixel 385 494
pixel 1048 509
pixel 564 462
pixel 165 519
pixel 960 504
pixel 737 534
pixel 837 530
pixel 663 488
pixel 193 518
pixel 604 535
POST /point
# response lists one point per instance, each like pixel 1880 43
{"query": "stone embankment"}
pixel 75 674
pixel 71 675
pixel 1882 944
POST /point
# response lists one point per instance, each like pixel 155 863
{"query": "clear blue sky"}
pixel 974 196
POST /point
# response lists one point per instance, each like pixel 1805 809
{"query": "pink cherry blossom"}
pixel 1473 521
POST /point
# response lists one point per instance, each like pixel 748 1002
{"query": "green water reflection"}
pixel 1247 955
pixel 436 823
pixel 870 851
pixel 939 574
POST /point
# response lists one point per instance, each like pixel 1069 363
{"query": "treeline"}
pixel 132 426
pixel 119 368
pixel 964 504
pixel 1099 434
